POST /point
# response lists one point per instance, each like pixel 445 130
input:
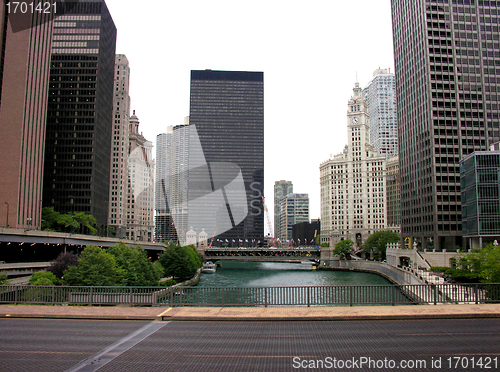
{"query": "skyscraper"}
pixel 294 209
pixel 118 178
pixel 281 189
pixel 446 60
pixel 380 94
pixel 140 195
pixel 353 185
pixel 24 77
pixel 171 186
pixel 227 109
pixel 80 111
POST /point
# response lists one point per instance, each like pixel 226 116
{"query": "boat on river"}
pixel 208 267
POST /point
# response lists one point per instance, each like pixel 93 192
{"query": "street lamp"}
pixel 7 219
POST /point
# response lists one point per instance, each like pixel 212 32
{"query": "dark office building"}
pixel 80 111
pixel 227 108
pixel 448 91
pixel 305 233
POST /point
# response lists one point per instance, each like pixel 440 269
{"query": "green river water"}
pixel 276 274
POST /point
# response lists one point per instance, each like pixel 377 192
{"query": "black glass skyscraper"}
pixel 227 109
pixel 80 111
pixel 446 55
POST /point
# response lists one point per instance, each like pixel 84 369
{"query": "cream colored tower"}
pixel 353 202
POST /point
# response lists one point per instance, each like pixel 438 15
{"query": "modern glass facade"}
pixel 227 109
pixel 380 94
pixel 80 111
pixel 294 209
pixel 480 188
pixel 447 91
pixel 281 189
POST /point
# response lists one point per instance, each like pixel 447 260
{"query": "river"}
pixel 276 274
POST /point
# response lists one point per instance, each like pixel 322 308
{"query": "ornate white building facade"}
pixel 140 196
pixel 353 184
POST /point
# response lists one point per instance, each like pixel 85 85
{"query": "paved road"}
pixel 60 345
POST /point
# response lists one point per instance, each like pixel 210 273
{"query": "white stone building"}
pixel 353 194
pixel 140 198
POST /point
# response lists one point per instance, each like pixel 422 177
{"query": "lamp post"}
pixel 7 219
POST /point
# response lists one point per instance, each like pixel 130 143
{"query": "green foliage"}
pixel 168 283
pixel 137 267
pixel 343 248
pixel 158 268
pixel 55 221
pixel 481 264
pixel 181 262
pixel 61 263
pixel 44 278
pixel 377 242
pixel 4 279
pixel 87 221
pixel 325 245
pixel 96 267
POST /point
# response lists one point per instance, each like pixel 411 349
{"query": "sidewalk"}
pixel 325 313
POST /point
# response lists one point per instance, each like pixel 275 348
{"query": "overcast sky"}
pixel 310 53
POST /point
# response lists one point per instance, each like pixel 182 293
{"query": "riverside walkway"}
pixel 327 313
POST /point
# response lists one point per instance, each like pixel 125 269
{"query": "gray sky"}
pixel 310 53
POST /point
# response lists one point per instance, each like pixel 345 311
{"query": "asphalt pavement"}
pixel 72 345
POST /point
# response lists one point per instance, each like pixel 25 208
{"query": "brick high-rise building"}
pixel 24 83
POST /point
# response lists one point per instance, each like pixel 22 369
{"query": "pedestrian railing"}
pixel 255 296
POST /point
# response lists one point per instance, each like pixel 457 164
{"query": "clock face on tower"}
pixel 355 120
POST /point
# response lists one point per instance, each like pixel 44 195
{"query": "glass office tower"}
pixel 447 92
pixel 227 110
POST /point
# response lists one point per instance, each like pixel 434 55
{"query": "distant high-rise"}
pixel 24 78
pixel 80 111
pixel 281 189
pixel 380 94
pixel 294 209
pixel 140 195
pixel 446 64
pixel 118 178
pixel 227 109
pixel 171 187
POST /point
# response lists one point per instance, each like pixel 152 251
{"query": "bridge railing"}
pixel 255 296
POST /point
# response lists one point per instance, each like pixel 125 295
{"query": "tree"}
pixel 61 263
pixel 481 264
pixel 87 222
pixel 4 279
pixel 377 242
pixel 137 267
pixel 55 221
pixel 44 278
pixel 96 267
pixel 181 262
pixel 343 248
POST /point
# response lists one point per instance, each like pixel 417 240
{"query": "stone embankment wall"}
pixel 394 274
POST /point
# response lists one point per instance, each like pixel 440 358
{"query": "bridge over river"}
pixel 261 254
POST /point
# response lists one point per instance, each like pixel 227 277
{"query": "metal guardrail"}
pixel 255 296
